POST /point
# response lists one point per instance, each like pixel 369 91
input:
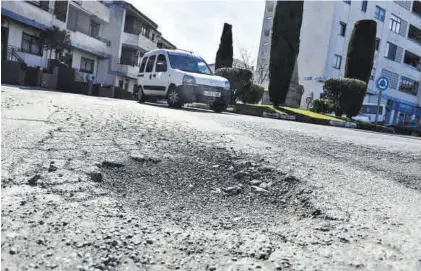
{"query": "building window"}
pixel 379 13
pixel 31 44
pixel 342 29
pixel 120 83
pixel 395 23
pixel 129 56
pixel 126 86
pixel 391 50
pixel 94 29
pixel 377 44
pixel 86 65
pixel 153 37
pixel 337 61
pixel 348 2
pixel 408 85
pixel 364 6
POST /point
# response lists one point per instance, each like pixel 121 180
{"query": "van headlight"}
pixel 189 80
pixel 227 85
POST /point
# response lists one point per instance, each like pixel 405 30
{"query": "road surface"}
pixel 94 183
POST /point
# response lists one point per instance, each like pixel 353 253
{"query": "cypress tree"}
pixel 361 49
pixel 284 48
pixel 224 56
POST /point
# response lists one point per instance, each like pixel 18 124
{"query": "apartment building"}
pixel 24 21
pixel 325 34
pixel 108 37
pixel 132 34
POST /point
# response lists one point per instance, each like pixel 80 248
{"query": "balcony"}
pixel 412 60
pixel 127 70
pixel 95 8
pixel 29 11
pixel 414 34
pixel 91 44
pixel 85 26
pixel 138 41
pixel 416 8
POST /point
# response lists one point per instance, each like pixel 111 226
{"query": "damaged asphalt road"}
pixel 101 184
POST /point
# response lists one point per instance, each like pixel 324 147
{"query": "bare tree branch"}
pixel 262 68
pixel 246 59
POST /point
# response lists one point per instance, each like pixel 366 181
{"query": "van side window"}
pixel 161 64
pixel 151 61
pixel 143 64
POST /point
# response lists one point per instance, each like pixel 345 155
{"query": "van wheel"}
pixel 141 96
pixel 174 98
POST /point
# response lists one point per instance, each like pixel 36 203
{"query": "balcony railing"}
pixel 128 62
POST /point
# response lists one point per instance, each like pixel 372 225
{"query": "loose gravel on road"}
pixel 94 183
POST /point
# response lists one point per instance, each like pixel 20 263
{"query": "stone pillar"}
pixel 295 91
pixel 90 88
pixel 112 91
pixel 392 115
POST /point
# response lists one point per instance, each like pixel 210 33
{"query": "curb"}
pixel 278 116
pixel 345 124
pixel 198 105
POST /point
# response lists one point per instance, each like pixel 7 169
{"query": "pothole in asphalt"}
pixel 206 181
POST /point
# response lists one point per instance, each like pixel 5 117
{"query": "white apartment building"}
pixel 325 33
pixel 108 37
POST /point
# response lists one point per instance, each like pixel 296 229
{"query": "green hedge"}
pixel 240 80
pixel 224 55
pixel 346 94
pixel 285 45
pixel 361 49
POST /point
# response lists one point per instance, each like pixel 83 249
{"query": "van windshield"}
pixel 371 109
pixel 188 63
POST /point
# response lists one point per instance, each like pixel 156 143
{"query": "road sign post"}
pixel 382 84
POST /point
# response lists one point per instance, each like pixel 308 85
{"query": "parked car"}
pixel 181 77
pixel 368 113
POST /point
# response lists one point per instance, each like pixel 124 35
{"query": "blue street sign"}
pixel 382 83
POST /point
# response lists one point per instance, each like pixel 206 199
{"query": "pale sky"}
pixel 197 25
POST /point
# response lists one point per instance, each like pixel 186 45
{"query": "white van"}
pixel 368 113
pixel 181 77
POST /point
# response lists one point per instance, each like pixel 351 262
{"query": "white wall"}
pixel 77 55
pixel 29 11
pixel 97 9
pixel 15 39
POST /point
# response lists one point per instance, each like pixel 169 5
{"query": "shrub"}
pixel 284 48
pixel 224 54
pixel 240 79
pixel 361 49
pixel 252 94
pixel 322 106
pixel 346 95
pixel 352 97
